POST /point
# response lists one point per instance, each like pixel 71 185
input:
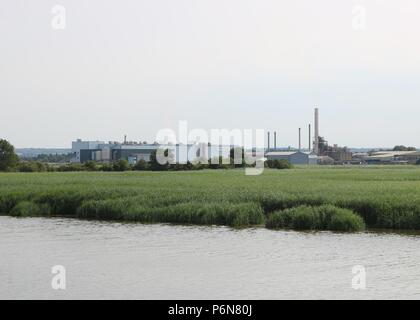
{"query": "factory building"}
pixel 99 151
pixel 79 145
pixel 299 156
pixel 294 157
pixel 321 148
pixel 132 153
pixel 391 157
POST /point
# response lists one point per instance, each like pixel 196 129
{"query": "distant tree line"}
pixel 50 158
pixel 404 148
pixel 9 161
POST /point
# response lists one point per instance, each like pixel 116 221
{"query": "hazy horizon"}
pixel 134 67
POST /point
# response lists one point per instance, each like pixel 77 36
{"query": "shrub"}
pixel 9 201
pixel 346 220
pixel 121 165
pixel 282 164
pixel 280 219
pixel 106 167
pixel 222 213
pixel 280 201
pixel 71 167
pixel 306 218
pixel 30 209
pixel 26 167
pixel 326 217
pixel 104 210
pixel 90 166
pixel 32 166
pixel 61 202
pixel 278 164
pixel 141 165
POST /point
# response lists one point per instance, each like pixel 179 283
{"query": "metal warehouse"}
pixel 294 157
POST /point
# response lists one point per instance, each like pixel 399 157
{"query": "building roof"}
pixel 289 153
pixel 392 154
pixel 325 158
pixel 281 153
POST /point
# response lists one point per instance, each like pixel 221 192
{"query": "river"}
pixel 107 260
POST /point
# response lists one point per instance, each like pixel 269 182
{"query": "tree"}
pixel 8 157
pixel 53 158
pixel 418 162
pixel 90 166
pixel 154 163
pixel 121 165
pixel 404 148
pixel 141 165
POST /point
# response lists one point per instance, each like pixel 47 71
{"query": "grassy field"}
pixel 384 197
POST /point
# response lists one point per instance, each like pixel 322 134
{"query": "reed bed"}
pixel 325 217
pixel 382 197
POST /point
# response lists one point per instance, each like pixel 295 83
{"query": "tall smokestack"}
pixel 310 139
pixel 275 140
pixel 316 143
pixel 268 140
pixel 300 139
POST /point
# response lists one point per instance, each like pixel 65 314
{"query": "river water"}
pixel 105 260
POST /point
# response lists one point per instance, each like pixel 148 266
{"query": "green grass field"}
pixel 384 197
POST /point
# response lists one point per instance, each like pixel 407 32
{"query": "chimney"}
pixel 316 143
pixel 310 141
pixel 125 139
pixel 300 139
pixel 275 140
pixel 268 140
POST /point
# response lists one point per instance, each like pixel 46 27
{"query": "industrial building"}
pixel 390 157
pixel 100 151
pixel 338 154
pixel 299 156
pixel 294 157
pixel 318 151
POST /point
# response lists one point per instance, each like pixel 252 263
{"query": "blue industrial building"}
pixel 294 157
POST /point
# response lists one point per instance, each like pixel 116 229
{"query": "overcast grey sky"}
pixel 136 66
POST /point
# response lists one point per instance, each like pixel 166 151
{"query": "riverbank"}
pixel 383 197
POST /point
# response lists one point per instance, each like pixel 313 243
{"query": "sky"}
pixel 133 67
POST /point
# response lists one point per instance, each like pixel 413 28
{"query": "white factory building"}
pixel 100 151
